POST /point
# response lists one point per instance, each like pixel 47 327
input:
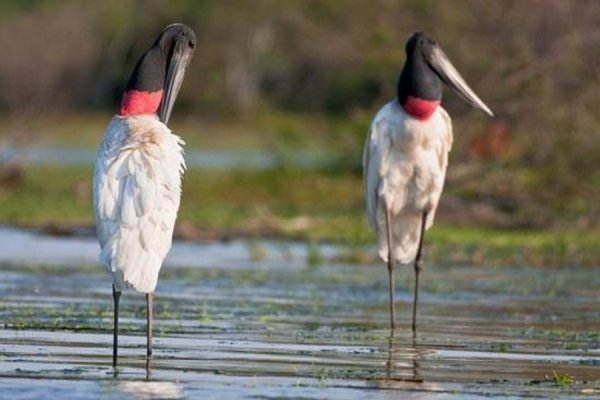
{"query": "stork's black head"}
pixel 157 76
pixel 420 83
pixel 419 88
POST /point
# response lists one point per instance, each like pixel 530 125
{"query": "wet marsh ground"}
pixel 256 319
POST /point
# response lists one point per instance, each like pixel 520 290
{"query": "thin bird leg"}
pixel 388 220
pixel 148 368
pixel 390 360
pixel 418 268
pixel 149 299
pixel 116 298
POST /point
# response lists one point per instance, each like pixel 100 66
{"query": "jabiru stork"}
pixel 138 171
pixel 406 155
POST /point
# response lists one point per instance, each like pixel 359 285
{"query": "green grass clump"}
pixel 560 379
pixel 48 195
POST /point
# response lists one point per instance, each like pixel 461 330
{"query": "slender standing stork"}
pixel 406 155
pixel 137 176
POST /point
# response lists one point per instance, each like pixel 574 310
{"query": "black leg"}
pixel 388 220
pixel 116 298
pixel 148 368
pixel 390 360
pixel 149 298
pixel 418 268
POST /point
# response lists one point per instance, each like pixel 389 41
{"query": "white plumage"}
pixel 404 163
pixel 406 156
pixel 137 190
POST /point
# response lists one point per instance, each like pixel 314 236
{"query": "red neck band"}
pixel 137 102
pixel 419 108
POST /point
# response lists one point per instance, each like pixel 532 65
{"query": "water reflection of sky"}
pixel 26 247
pixel 208 159
pixel 150 390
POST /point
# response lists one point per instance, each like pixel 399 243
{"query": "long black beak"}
pixel 442 66
pixel 181 56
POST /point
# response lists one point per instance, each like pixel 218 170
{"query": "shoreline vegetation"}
pixel 492 212
pixel 445 245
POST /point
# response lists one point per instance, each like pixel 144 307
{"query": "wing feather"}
pixel 372 157
pixel 128 216
pixel 137 190
pixel 404 163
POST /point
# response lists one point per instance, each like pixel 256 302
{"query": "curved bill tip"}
pixel 440 63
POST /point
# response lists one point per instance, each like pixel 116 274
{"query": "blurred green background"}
pixel 298 82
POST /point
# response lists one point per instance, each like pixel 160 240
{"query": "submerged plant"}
pixel 322 375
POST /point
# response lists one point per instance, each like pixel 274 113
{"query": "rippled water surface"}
pixel 255 320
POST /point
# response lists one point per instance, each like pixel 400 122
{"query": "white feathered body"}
pixel 137 190
pixel 404 163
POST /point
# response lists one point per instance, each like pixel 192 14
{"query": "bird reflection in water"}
pixel 402 363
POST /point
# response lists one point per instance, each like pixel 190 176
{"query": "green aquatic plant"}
pixel 314 257
pixel 204 316
pixel 560 379
pixel 503 347
pixel 322 375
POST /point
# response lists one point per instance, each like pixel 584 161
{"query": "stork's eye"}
pixel 191 44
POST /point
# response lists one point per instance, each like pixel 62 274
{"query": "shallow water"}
pixel 230 324
pixel 213 159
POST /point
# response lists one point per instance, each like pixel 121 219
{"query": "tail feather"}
pixel 130 264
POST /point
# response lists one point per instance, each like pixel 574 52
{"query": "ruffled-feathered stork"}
pixel 137 177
